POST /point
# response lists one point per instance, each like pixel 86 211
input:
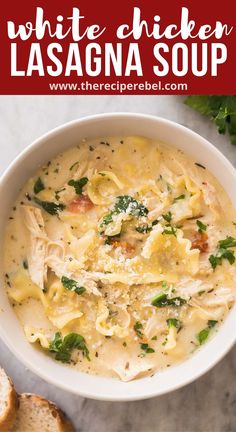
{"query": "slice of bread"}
pixel 36 414
pixel 8 402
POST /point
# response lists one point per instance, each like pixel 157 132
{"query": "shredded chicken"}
pixel 44 254
pixel 37 245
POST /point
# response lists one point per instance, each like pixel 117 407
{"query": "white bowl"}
pixel 15 176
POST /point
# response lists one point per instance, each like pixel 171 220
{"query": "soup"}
pixel 120 257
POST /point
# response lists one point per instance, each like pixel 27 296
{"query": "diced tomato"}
pixel 125 246
pixel 81 204
pixel 199 241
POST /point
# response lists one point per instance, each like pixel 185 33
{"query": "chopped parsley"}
pixel 38 186
pixel 180 197
pixel 165 342
pixel 125 204
pixel 72 285
pixel 170 230
pixel 162 300
pixel 203 335
pixel 144 229
pixel 164 285
pixel 137 328
pixel 212 323
pixel 221 109
pixel 107 219
pixel 228 242
pixel 78 184
pixel 110 239
pixel 173 322
pixel 50 207
pixel 63 348
pixel 222 252
pixel 145 347
pixel 167 216
pixel 74 164
pixel 201 226
pixel 57 192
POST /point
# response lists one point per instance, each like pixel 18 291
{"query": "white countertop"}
pixel 209 404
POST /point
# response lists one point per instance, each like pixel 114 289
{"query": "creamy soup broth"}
pixel 119 256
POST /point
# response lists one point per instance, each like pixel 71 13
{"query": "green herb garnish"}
pixel 165 342
pixel 57 192
pixel 211 323
pixel 63 348
pixel 145 347
pixel 107 219
pixel 137 328
pixel 78 184
pixel 173 322
pixel 162 300
pixel 220 109
pixel 125 204
pixel 222 252
pixel 50 207
pixel 180 197
pixel 74 164
pixel 167 216
pixel 170 230
pixel 164 285
pixel 128 204
pixel 201 226
pixel 228 242
pixel 110 239
pixel 38 186
pixel 144 229
pixel 203 335
pixel 72 285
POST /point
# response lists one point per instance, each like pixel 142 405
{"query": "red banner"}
pixel 128 47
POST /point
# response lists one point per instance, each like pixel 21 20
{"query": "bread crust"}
pixel 13 409
pixel 62 421
pixel 8 417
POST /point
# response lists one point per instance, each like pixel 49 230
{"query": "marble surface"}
pixel 207 405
